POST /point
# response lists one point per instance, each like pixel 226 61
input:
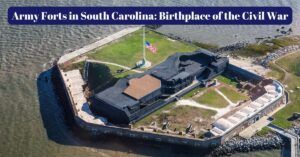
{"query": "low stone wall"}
pixel 98 130
pixel 244 73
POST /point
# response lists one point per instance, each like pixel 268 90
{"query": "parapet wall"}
pixel 101 130
pixel 244 73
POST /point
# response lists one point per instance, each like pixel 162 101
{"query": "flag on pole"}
pixel 150 47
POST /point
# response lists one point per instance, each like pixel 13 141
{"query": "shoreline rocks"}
pixel 256 143
pixel 278 53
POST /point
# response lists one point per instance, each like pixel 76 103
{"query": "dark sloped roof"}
pixel 114 95
pixel 166 69
pixel 190 63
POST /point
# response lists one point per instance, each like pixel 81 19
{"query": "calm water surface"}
pixel 32 129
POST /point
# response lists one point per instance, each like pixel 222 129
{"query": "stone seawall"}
pixel 257 143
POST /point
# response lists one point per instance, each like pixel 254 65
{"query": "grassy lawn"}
pixel 193 92
pixel 264 131
pixel 292 67
pixel 213 99
pixel 233 94
pixel 254 50
pixel 150 118
pixel 226 80
pixel 114 71
pixel 179 117
pixel 293 81
pixel 128 50
pixel 206 45
pixel 103 76
pixel 276 72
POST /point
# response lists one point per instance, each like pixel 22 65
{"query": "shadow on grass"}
pixel 58 123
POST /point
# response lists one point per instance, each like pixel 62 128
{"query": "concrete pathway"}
pixel 254 128
pixel 190 102
pixel 226 98
pixel 115 64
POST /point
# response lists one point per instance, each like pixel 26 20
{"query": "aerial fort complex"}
pixel 127 98
pixel 189 96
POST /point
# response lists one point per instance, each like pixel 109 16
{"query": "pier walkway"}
pixel 294 139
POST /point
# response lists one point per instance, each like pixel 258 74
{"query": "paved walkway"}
pixel 96 44
pixel 220 111
pixel 254 128
pixel 189 102
pixel 115 64
pixel 225 97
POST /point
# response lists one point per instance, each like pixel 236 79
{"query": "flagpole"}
pixel 144 54
pixel 143 63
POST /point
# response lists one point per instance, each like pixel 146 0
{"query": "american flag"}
pixel 150 47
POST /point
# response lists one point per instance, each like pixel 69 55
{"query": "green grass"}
pixel 255 50
pixel 292 81
pixel 128 50
pixel 285 41
pixel 206 45
pixel 100 77
pixel 213 99
pixel 264 131
pixel 114 69
pixel 179 117
pixel 293 66
pixel 103 76
pixel 150 118
pixel 233 94
pixel 228 81
pixel 193 92
pixel 276 72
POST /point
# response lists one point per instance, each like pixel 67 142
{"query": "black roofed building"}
pixel 129 95
pixel 180 69
pixel 126 97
